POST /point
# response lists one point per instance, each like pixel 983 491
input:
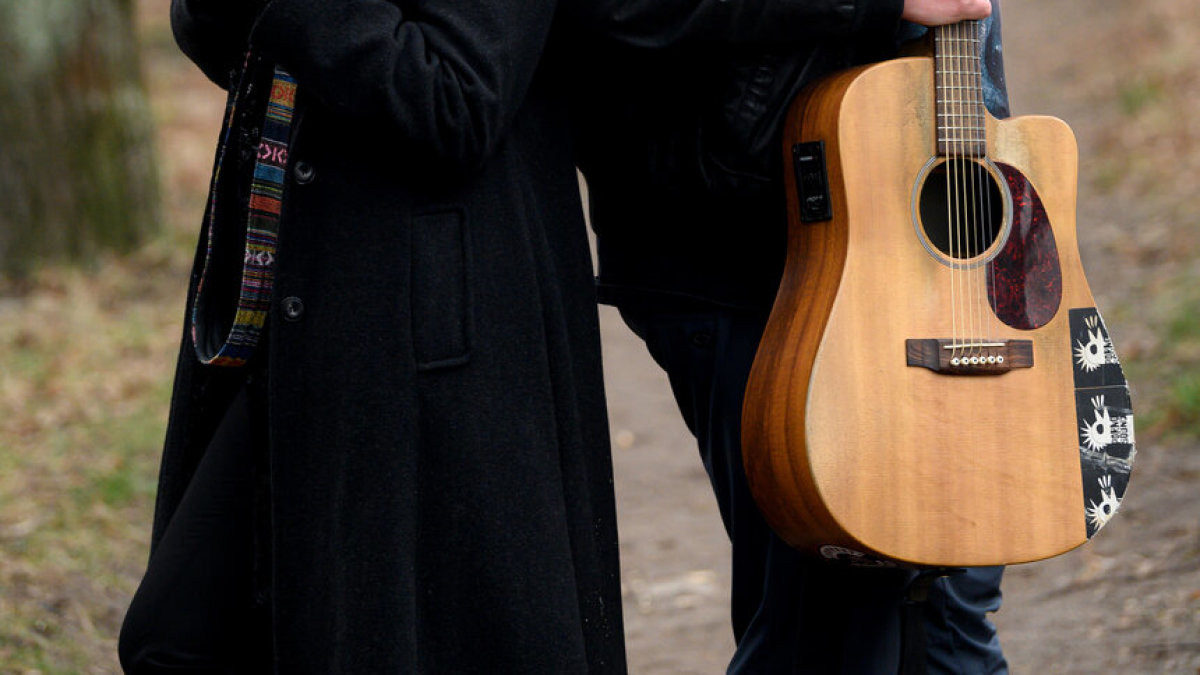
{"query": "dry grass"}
pixel 82 399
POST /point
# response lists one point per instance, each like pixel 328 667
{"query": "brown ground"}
pixel 79 429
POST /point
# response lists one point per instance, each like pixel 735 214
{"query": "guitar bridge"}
pixel 969 357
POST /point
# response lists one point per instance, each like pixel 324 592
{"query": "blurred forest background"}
pixel 106 142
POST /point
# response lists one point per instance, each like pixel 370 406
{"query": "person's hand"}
pixel 941 12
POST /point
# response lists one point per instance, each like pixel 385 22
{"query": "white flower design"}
pixel 1090 354
pixel 1099 433
pixel 1099 514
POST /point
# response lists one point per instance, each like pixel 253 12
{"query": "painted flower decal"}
pixel 1099 433
pixel 1090 354
pixel 1099 514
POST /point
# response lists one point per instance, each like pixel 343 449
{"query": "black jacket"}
pixel 440 484
pixel 681 149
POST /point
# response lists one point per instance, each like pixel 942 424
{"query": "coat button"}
pixel 293 308
pixel 304 172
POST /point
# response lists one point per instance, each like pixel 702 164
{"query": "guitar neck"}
pixel 958 75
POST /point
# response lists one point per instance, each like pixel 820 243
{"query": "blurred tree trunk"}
pixel 77 170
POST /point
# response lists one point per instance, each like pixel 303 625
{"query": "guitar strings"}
pixel 960 187
pixel 941 136
pixel 947 78
pixel 984 229
pixel 965 174
pixel 952 190
pixel 966 183
pixel 970 165
pixel 964 204
pixel 961 208
pixel 977 186
pixel 988 216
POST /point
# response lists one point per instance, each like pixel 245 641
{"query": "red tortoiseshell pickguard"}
pixel 1024 279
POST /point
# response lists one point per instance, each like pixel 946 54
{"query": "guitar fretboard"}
pixel 958 76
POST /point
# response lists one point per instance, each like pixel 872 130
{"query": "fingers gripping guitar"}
pixel 942 12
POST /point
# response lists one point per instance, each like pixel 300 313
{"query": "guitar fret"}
pixel 952 38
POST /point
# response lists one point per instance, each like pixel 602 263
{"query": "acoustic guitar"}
pixel 935 386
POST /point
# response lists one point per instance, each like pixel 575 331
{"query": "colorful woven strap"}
pixel 262 231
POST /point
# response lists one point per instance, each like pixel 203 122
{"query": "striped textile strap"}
pixel 262 232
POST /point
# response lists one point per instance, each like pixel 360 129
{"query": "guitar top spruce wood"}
pixel 935 386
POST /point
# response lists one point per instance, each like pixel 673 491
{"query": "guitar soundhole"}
pixel 961 208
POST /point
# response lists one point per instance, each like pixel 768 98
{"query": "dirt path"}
pixel 674 553
pixel 1128 603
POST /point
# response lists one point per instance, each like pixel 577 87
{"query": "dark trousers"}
pixel 198 609
pixel 792 614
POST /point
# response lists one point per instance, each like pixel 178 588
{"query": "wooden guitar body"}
pixel 861 441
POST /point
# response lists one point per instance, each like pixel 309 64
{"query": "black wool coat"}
pixel 440 482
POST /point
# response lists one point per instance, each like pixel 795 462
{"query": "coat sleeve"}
pixel 214 33
pixel 665 23
pixel 441 79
